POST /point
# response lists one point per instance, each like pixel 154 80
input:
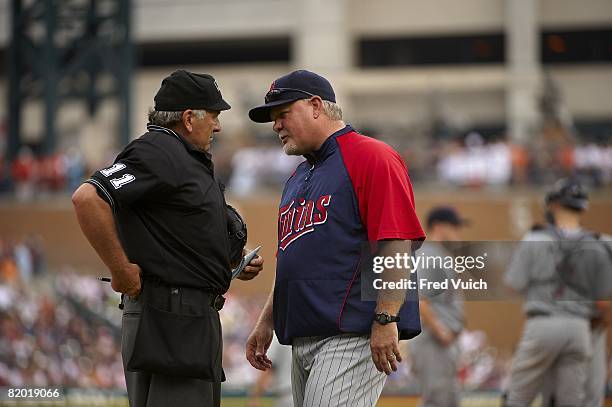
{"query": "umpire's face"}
pixel 293 122
pixel 200 130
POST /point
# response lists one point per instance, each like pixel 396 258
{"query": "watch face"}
pixel 383 318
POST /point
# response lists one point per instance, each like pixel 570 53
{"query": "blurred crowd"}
pixel 21 260
pixel 470 160
pixel 254 168
pixel 29 175
pixel 473 160
pixel 252 163
pixel 45 337
pixel 63 329
pixel 45 340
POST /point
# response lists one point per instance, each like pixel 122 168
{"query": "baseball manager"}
pixel 350 190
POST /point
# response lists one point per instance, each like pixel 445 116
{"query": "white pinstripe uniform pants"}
pixel 334 371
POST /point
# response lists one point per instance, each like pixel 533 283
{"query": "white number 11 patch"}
pixel 125 179
pixel 111 170
pixel 121 181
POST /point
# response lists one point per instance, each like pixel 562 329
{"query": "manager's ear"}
pixel 317 106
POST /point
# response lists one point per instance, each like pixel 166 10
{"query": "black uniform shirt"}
pixel 169 210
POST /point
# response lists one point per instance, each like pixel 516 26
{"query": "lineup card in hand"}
pixel 245 260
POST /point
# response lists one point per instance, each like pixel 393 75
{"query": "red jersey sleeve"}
pixel 382 187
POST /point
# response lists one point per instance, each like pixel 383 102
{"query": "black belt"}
pixel 533 314
pixel 214 300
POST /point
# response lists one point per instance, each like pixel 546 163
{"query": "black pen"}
pixel 105 279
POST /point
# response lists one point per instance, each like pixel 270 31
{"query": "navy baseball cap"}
pixel 445 214
pixel 294 86
pixel 184 90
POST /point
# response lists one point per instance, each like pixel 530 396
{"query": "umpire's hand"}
pixel 127 280
pixel 252 269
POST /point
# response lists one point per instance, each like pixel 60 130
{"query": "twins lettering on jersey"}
pixel 299 218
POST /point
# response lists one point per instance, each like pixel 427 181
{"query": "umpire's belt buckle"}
pixel 218 302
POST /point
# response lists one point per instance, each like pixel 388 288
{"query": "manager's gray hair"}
pixel 332 110
pixel 170 119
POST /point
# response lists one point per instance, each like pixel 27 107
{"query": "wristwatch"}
pixel 384 318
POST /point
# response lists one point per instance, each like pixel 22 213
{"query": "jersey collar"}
pixel 328 146
pixel 203 156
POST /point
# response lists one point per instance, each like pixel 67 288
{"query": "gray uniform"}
pixel 595 385
pixel 435 365
pixel 595 389
pixel 556 341
pixel 597 369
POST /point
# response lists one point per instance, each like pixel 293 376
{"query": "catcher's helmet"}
pixel 569 193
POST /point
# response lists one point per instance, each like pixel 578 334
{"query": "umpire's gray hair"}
pixel 170 119
pixel 332 110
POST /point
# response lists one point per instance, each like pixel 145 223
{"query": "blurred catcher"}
pixel 158 220
pixel 565 274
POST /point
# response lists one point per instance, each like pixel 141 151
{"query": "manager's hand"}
pixel 385 347
pixel 252 269
pixel 257 345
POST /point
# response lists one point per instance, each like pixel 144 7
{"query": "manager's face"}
pixel 293 123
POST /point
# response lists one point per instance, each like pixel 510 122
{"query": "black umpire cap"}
pixel 184 90
pixel 301 84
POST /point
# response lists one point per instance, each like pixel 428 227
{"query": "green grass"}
pixel 241 402
pixel 471 400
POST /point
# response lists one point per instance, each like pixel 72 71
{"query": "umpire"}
pixel 562 270
pixel 157 219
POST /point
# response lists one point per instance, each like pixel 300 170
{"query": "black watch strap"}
pixel 384 318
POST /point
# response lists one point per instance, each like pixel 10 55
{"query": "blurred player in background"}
pixel 435 351
pixel 563 271
pixel 597 367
